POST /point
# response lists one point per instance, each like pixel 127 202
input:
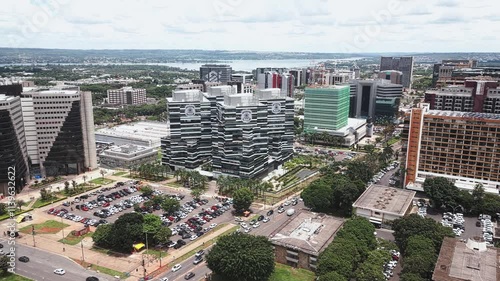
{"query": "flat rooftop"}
pixel 307 232
pixel 471 115
pixel 140 130
pixel 472 261
pixel 385 199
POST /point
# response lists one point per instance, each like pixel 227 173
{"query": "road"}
pixel 265 229
pixel 42 264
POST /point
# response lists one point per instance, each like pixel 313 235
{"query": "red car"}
pixel 85 208
pixel 214 208
pixel 105 204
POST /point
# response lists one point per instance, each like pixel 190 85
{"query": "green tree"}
pixel 242 199
pixel 152 223
pixel 19 204
pixel 418 244
pixel 45 195
pixel 102 235
pixel 147 190
pixel 162 235
pixel 126 231
pixel 478 198
pixel 196 193
pixel 3 209
pixel 407 276
pixel 441 191
pixel 4 264
pixel 332 276
pixel 242 257
pixel 170 205
pixel 340 262
pixel 411 225
pixel 66 187
pixel 359 170
pixel 421 264
pixel 318 196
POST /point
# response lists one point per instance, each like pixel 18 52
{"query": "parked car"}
pixel 59 271
pixel 24 259
pixel 189 275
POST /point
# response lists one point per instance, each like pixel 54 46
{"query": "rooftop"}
pixel 307 232
pixel 472 115
pixel 385 199
pixel 140 130
pixel 127 149
pixel 187 96
pixel 472 261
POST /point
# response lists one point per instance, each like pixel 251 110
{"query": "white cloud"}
pixel 260 25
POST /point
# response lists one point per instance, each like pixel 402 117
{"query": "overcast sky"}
pixel 256 25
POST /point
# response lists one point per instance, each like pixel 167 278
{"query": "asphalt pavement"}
pixel 42 264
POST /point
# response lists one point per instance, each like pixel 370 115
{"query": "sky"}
pixel 330 26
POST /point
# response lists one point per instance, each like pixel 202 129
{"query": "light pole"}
pixel 33 233
pixel 83 255
pixel 64 245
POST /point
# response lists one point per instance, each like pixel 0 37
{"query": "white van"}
pixel 290 212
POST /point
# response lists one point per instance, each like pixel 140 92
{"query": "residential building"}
pixel 242 88
pixel 442 72
pixel 299 75
pixel 460 146
pixel 216 73
pixel 476 95
pixel 299 241
pixel 143 133
pixel 127 156
pixel 396 77
pixel 403 64
pixel 273 79
pixel 59 129
pixel 365 93
pixel 127 95
pixel 471 261
pixel 327 111
pixel 14 166
pixel 382 204
pixel 242 135
pixel 189 86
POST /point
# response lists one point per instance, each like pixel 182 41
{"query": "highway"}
pixel 42 264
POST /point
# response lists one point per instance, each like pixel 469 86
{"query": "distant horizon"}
pixel 252 51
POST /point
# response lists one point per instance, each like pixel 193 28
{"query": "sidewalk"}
pixel 166 262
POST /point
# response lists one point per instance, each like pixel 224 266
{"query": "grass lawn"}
pixel 156 253
pixel 102 181
pixel 40 203
pixel 105 270
pixel 393 140
pixel 284 273
pixel 73 240
pixel 119 174
pixel 287 273
pixel 50 226
pixel 6 216
pixel 13 277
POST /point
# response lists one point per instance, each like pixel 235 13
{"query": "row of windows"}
pixel 49 117
pixel 53 97
pixel 45 123
pixel 52 107
pixel 53 102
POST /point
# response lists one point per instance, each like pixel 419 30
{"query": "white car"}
pixel 213 225
pixel 265 220
pixel 176 267
pixel 59 271
pixel 255 225
pixel 164 279
pixel 193 237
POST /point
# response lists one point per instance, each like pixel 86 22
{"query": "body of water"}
pixel 237 65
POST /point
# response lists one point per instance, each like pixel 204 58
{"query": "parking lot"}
pixel 105 205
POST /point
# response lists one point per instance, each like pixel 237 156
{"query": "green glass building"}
pixel 326 108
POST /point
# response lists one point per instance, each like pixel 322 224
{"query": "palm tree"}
pixel 73 183
pixel 102 172
pixel 84 179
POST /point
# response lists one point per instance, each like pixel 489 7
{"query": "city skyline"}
pixel 312 26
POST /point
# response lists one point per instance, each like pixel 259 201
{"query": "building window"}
pixel 377 213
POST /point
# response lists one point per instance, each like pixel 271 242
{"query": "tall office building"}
pixel 460 146
pixel 13 150
pixel 474 96
pixel 59 128
pixel 326 108
pixel 274 79
pixel 127 95
pixel 403 64
pixel 216 73
pixel 241 134
pixel 189 144
pixel 365 93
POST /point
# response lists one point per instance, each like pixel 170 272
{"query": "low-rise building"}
pixel 471 261
pixel 303 237
pixel 140 133
pixel 127 156
pixel 380 204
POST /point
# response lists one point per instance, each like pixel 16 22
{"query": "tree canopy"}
pixel 242 199
pixel 242 257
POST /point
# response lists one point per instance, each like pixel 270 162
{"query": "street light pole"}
pixel 33 233
pixel 83 255
pixel 64 245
